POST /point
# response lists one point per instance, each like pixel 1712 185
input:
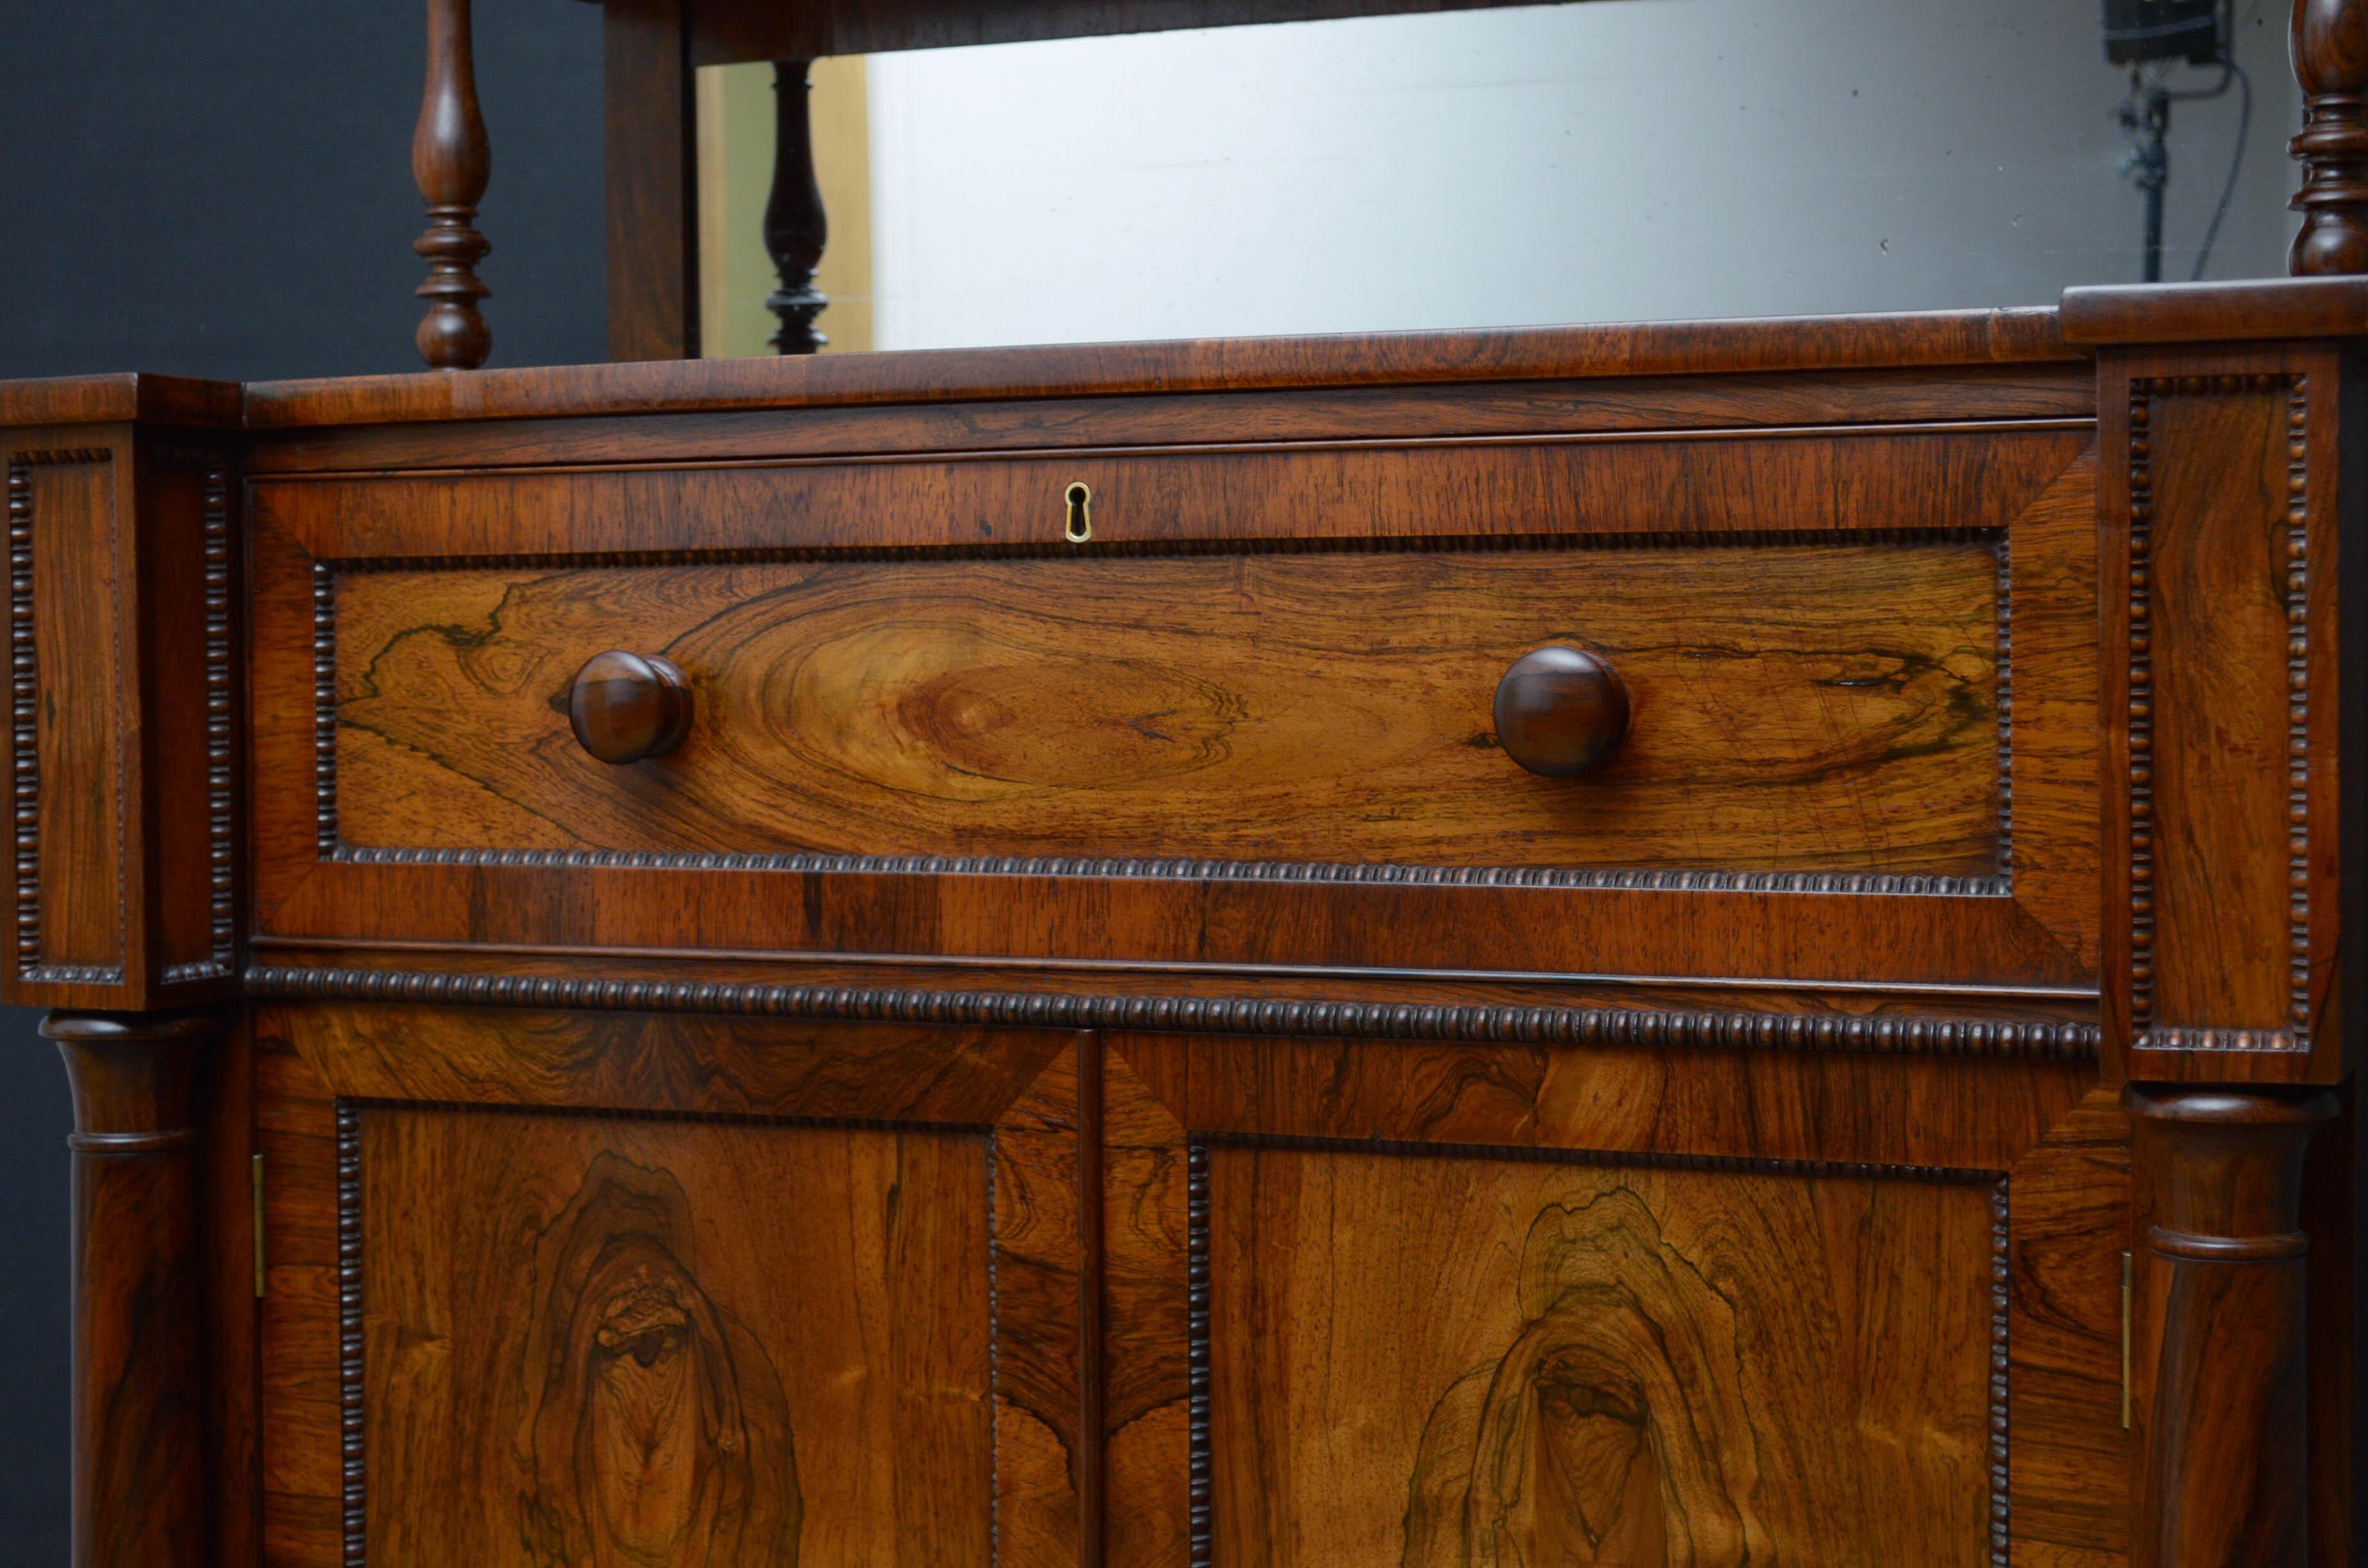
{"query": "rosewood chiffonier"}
pixel 1709 944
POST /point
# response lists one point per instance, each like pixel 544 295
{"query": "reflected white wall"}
pixel 1619 160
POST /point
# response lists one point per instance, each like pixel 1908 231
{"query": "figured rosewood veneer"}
pixel 776 1004
pixel 1266 681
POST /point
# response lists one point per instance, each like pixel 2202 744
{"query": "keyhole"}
pixel 1081 515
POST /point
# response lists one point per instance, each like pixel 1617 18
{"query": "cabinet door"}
pixel 590 1290
pixel 1489 1305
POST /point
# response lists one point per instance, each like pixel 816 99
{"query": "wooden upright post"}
pixel 2330 60
pixel 796 229
pixel 140 1363
pixel 652 181
pixel 451 162
pixel 2220 1330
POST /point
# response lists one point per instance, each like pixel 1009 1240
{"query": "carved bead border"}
pixel 1198 1312
pixel 331 849
pixel 1858 882
pixel 1200 1464
pixel 1675 1029
pixel 2298 709
pixel 221 871
pixel 25 728
pixel 354 1491
pixel 324 710
pixel 2139 716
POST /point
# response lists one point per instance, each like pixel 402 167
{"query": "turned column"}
pixel 2222 496
pixel 795 227
pixel 451 162
pixel 2330 60
pixel 140 1480
pixel 2218 1342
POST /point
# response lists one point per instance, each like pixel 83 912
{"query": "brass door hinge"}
pixel 2125 1342
pixel 261 1285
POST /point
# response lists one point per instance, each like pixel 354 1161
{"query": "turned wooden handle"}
pixel 1561 711
pixel 628 705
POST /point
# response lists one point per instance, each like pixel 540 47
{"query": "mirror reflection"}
pixel 1615 160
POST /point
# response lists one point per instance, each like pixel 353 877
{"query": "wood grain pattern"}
pixel 1255 708
pixel 123 737
pixel 2329 42
pixel 451 161
pixel 2043 390
pixel 2222 1428
pixel 73 892
pixel 2216 312
pixel 653 184
pixel 1560 1363
pixel 673 1343
pixel 2222 878
pixel 1948 338
pixel 2034 484
pixel 1315 1134
pixel 570 1248
pixel 141 1376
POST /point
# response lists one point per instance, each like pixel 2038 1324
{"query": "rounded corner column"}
pixel 2219 1336
pixel 140 1362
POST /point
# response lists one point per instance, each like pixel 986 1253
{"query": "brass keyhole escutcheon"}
pixel 1081 513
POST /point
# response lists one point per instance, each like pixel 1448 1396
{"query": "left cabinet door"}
pixel 654 1288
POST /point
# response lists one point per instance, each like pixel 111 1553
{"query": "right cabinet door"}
pixel 1437 1304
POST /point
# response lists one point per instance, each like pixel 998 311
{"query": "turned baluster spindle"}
pixel 451 162
pixel 139 1320
pixel 2218 1341
pixel 795 227
pixel 2330 60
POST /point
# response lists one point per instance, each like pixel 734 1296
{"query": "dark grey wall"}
pixel 224 190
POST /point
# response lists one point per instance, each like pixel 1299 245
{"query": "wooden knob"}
pixel 1561 711
pixel 628 705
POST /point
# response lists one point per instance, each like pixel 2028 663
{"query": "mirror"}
pixel 1615 161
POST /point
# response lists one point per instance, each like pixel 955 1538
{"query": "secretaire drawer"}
pixel 1271 665
pixel 1794 707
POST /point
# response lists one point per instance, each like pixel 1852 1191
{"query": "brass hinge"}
pixel 2125 1342
pixel 260 1283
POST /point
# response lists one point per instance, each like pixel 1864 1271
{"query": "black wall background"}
pixel 224 190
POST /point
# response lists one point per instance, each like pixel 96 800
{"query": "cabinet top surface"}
pixel 2329 307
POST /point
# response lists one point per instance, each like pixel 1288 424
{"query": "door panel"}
pixel 605 1340
pixel 1480 1304
pixel 606 1289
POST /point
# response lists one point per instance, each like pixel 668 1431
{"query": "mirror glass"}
pixel 1617 160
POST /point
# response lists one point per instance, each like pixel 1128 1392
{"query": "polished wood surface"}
pixel 1368 1237
pixel 140 1384
pixel 1953 338
pixel 1256 707
pixel 1092 1052
pixel 796 228
pixel 125 657
pixel 2223 771
pixel 2219 1325
pixel 1264 530
pixel 1561 712
pixel 2329 42
pixel 2217 312
pixel 451 162
pixel 652 181
pixel 624 706
pixel 760 1339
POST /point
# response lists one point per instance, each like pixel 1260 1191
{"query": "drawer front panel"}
pixel 1811 708
pixel 1248 721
